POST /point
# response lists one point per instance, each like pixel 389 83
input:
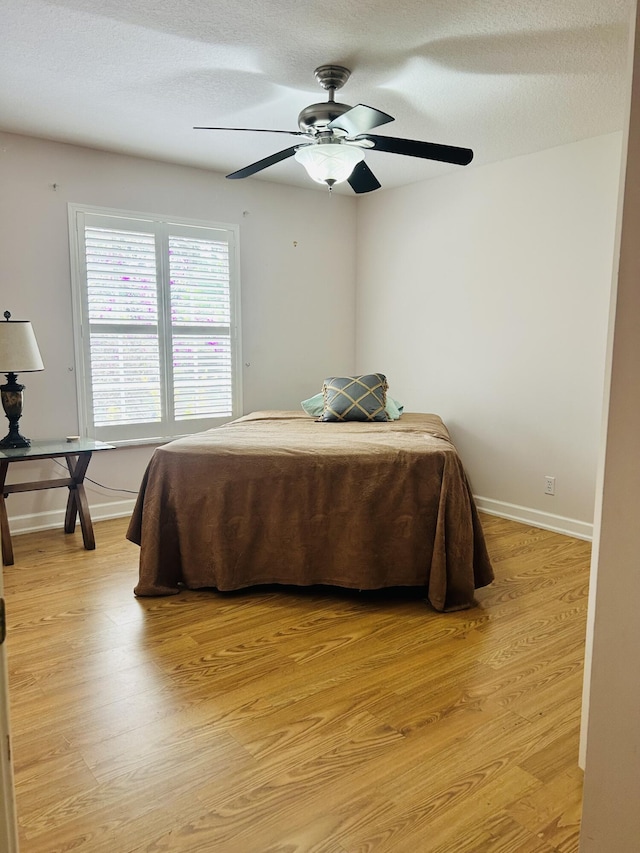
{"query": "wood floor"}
pixel 292 722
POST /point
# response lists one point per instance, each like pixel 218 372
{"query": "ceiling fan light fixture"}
pixel 329 162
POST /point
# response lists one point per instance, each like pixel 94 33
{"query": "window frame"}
pixel 160 227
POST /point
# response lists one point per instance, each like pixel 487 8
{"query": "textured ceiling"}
pixel 504 77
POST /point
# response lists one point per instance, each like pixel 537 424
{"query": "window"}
pixel 156 322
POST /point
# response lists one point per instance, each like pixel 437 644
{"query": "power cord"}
pixel 96 483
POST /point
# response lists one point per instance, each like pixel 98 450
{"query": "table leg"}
pixel 5 533
pixel 77 504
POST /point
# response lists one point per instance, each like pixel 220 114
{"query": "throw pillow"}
pixel 355 398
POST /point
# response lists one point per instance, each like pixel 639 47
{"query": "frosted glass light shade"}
pixel 19 351
pixel 329 162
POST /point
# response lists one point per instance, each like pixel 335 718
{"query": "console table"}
pixel 77 454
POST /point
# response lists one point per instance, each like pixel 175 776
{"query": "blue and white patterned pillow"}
pixel 355 398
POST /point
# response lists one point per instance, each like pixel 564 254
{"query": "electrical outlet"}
pixel 549 485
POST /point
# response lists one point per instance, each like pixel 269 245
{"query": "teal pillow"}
pixel 314 406
pixel 394 409
pixel 355 398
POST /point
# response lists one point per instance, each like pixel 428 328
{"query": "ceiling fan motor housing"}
pixel 317 116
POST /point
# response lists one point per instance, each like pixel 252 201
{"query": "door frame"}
pixel 8 815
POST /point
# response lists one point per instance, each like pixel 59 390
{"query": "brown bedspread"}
pixel 275 497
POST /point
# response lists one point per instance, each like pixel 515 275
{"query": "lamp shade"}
pixel 329 162
pixel 19 351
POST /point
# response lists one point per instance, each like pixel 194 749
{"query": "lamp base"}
pixel 14 439
pixel 11 395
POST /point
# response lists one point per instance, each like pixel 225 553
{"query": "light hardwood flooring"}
pixel 295 721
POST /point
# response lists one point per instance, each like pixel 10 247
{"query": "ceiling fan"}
pixel 337 136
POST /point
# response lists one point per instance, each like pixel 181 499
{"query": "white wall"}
pixel 484 297
pixel 298 286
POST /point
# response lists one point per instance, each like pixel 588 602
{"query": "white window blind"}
pixel 156 320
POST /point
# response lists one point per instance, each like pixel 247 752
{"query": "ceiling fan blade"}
pixel 256 130
pixel 359 119
pixel 426 150
pixel 263 164
pixel 362 179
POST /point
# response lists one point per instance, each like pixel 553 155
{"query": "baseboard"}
pixel 55 518
pixel 536 518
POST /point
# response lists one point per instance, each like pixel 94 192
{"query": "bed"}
pixel 277 497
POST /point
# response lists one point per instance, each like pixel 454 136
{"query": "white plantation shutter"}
pixel 200 321
pixel 156 325
pixel 122 310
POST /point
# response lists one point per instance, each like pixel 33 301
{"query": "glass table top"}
pixel 53 447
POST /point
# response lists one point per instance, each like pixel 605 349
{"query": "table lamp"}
pixel 19 353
